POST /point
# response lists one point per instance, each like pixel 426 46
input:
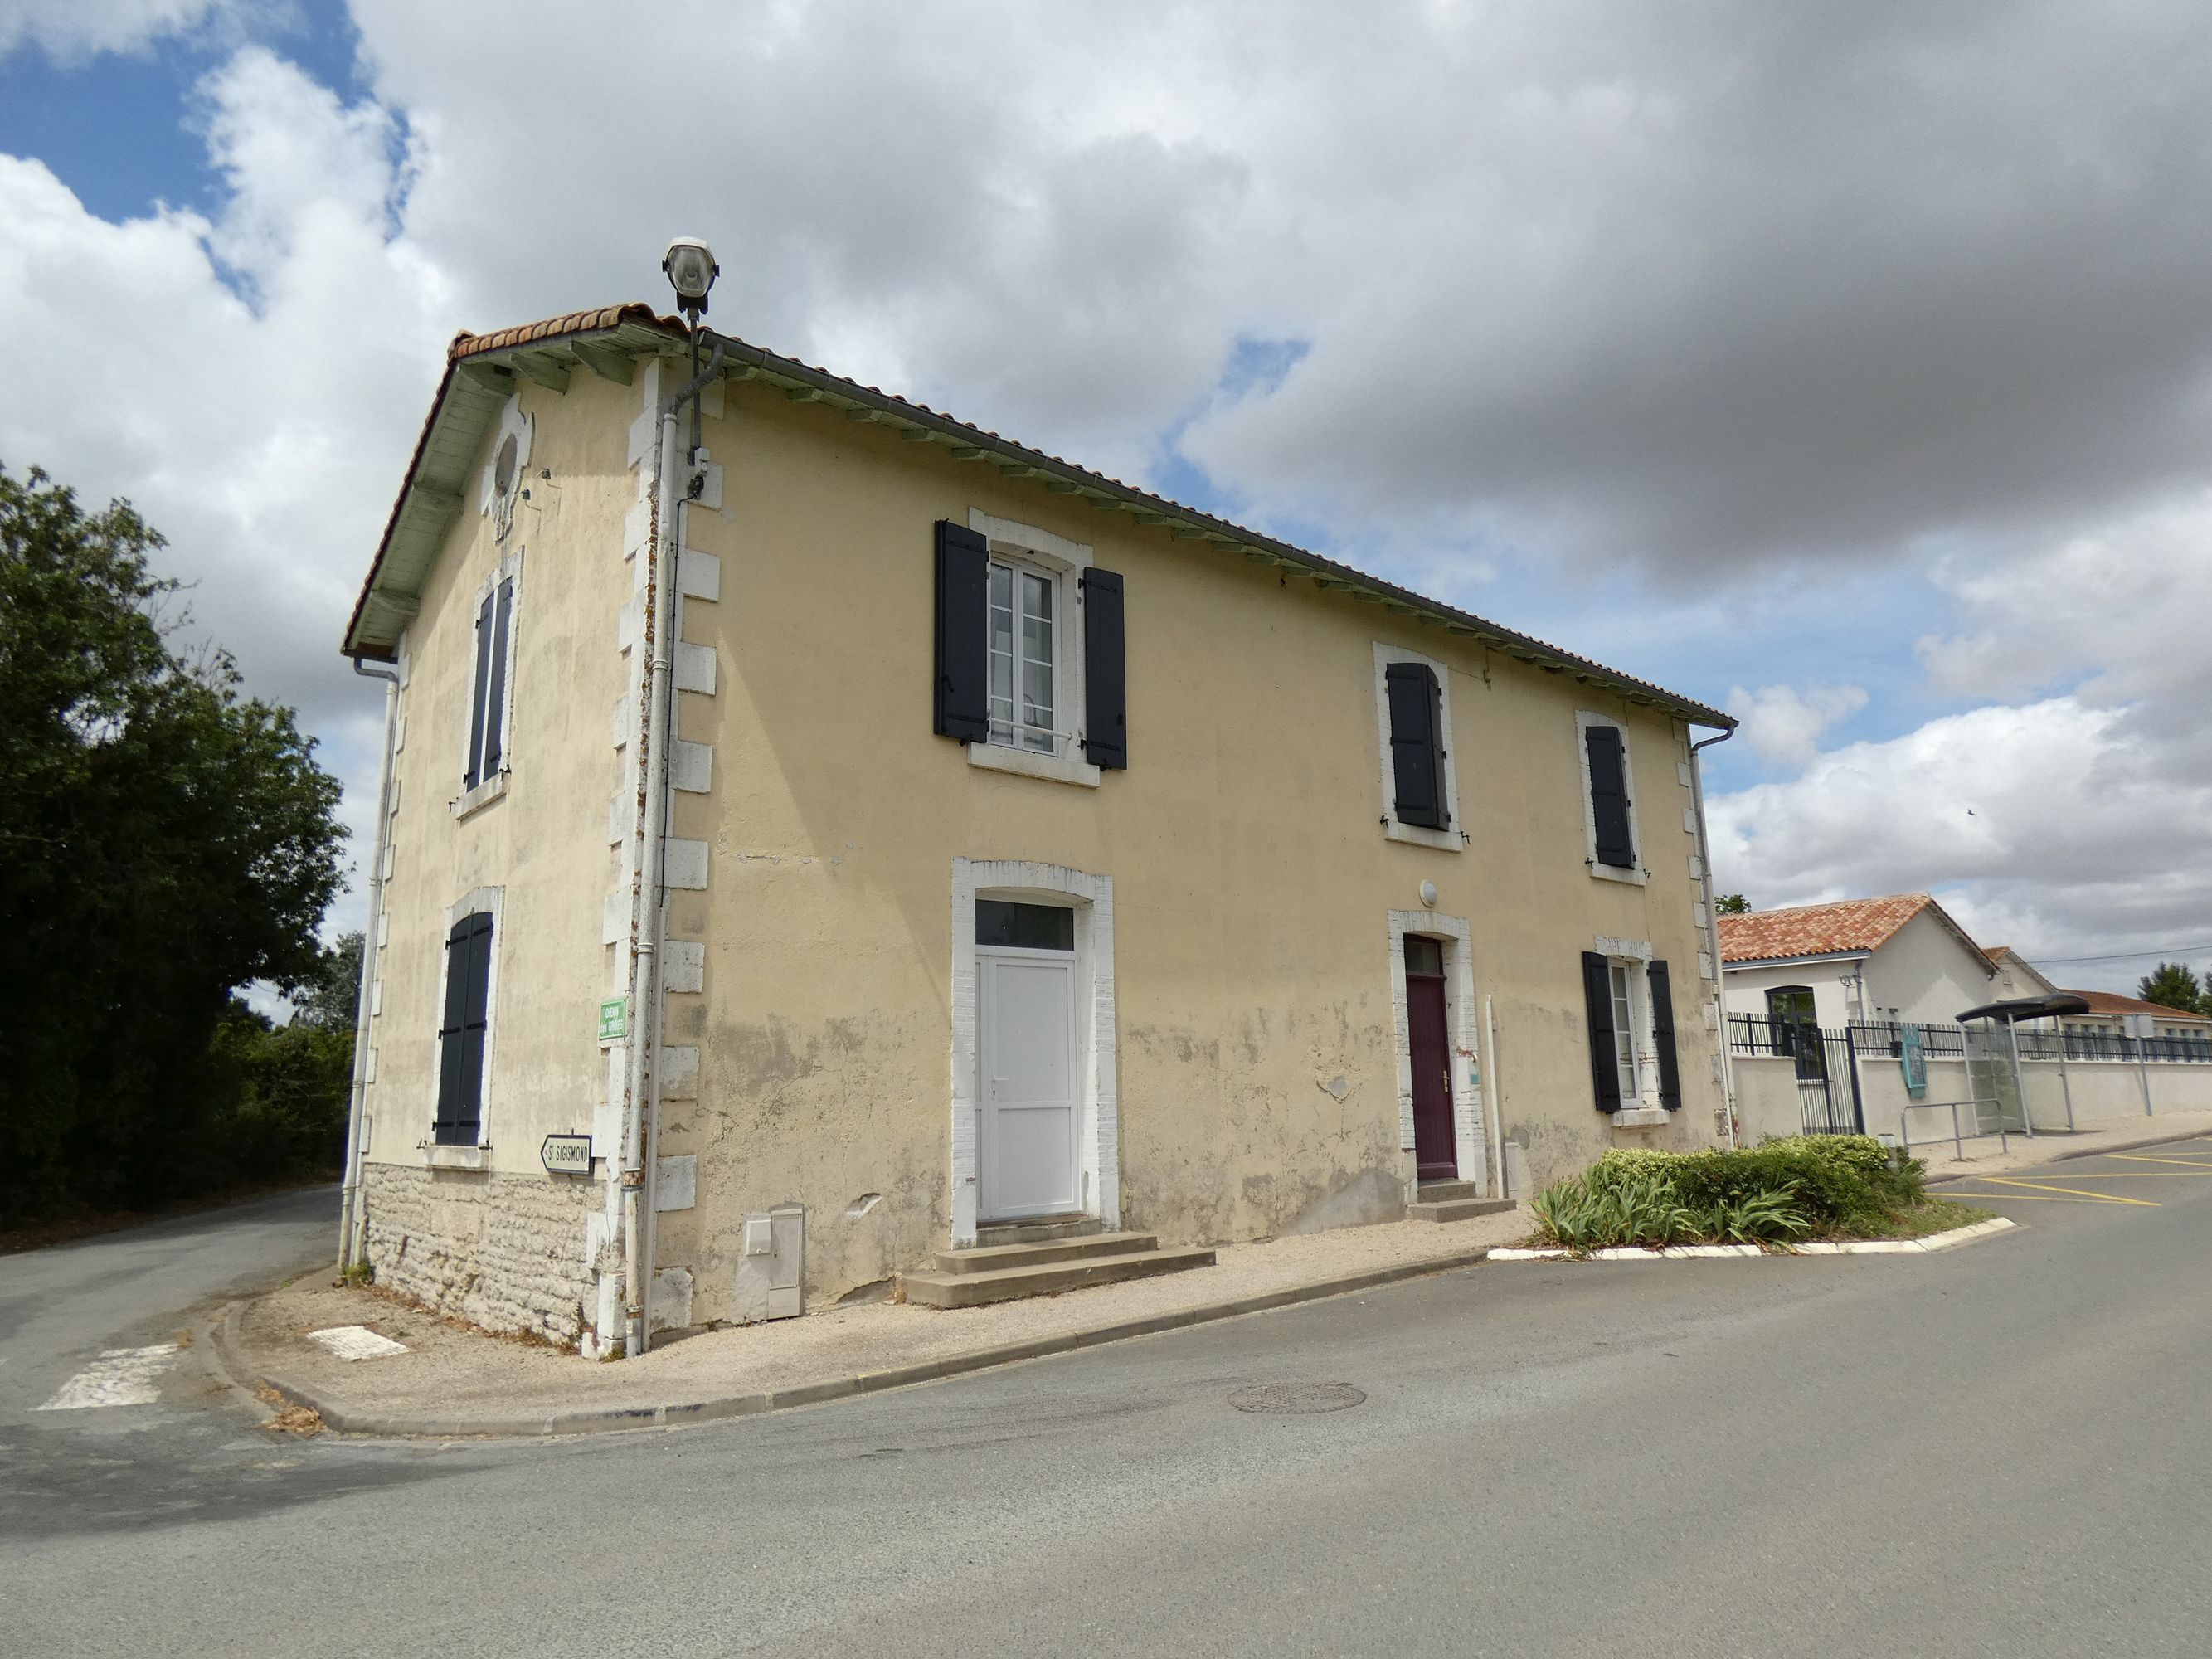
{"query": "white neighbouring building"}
pixel 1899 959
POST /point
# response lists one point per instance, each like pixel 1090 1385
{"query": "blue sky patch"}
pixel 118 128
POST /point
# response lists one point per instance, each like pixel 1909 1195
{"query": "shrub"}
pixel 1622 1208
pixel 1763 1218
pixel 1782 1190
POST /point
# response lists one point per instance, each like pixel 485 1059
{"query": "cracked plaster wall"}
pixel 1255 1044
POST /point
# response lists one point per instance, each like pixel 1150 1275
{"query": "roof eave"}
pixel 1810 957
pixel 545 352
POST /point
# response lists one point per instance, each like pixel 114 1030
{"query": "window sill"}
pixel 997 757
pixel 1415 834
pixel 435 1157
pixel 1639 876
pixel 483 795
pixel 1641 1117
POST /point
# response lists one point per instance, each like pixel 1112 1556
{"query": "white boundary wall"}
pixel 2104 1092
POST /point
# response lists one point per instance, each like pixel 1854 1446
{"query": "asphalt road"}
pixel 1996 1451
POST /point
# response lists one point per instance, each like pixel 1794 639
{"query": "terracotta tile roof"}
pixel 1998 952
pixel 2108 1002
pixel 553 328
pixel 1189 520
pixel 1818 930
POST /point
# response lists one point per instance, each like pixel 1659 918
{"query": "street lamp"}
pixel 691 269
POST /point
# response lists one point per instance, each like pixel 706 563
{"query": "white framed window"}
pixel 1026 630
pixel 487 754
pixel 504 472
pixel 1419 777
pixel 1635 1065
pixel 1613 846
pixel 1035 646
pixel 1629 1028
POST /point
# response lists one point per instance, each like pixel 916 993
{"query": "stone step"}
pixel 1038 1230
pixel 1458 1209
pixel 1440 1192
pixel 944 1290
pixel 990 1258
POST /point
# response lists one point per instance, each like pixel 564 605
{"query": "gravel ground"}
pixel 456 1372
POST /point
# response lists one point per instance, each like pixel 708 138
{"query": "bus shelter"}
pixel 2003 1101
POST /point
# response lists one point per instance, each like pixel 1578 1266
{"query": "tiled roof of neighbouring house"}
pixel 2108 1002
pixel 1819 930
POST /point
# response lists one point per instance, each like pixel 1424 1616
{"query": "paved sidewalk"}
pixel 1985 1157
pixel 454 1382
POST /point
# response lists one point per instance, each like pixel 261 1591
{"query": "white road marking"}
pixel 123 1376
pixel 355 1342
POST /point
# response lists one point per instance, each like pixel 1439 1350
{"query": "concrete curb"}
pixel 609 1419
pixel 1951 1240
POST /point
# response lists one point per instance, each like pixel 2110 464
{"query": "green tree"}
pixel 163 840
pixel 2175 986
pixel 279 1096
pixel 1732 904
pixel 329 997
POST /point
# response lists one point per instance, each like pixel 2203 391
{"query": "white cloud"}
pixel 1783 723
pixel 1673 296
pixel 264 439
pixel 71 30
pixel 2118 614
pixel 2054 827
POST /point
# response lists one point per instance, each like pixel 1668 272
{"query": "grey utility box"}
pixel 772 1264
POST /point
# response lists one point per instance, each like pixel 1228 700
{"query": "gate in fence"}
pixel 1828 1101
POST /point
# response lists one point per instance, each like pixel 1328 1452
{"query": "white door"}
pixel 1027 1087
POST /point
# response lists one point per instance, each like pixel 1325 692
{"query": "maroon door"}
pixel 1434 1148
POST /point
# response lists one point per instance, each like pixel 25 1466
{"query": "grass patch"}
pixel 1930 1215
pixel 1783 1192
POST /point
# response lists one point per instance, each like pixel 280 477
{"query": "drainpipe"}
pixel 1494 1100
pixel 353 1221
pixel 1713 925
pixel 673 483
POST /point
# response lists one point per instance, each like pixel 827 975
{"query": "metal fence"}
pixel 1828 1098
pixel 1747 1035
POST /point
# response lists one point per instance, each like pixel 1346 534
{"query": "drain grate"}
pixel 1296 1399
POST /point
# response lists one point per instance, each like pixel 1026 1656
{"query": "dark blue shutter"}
pixel 1604 1058
pixel 1416 743
pixel 1609 784
pixel 1663 1033
pixel 1105 672
pixel 494 695
pixel 461 1033
pixel 960 707
pixel 474 774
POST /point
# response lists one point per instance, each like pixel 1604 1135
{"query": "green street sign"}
pixel 614 1019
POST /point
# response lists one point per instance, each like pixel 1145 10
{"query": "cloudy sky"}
pixel 1849 366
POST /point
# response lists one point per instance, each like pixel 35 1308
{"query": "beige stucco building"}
pixel 1018 844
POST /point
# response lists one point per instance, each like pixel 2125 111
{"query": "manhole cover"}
pixel 1296 1399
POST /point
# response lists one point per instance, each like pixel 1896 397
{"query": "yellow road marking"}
pixel 2078 1192
pixel 2118 1175
pixel 2184 1163
pixel 2024 1197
